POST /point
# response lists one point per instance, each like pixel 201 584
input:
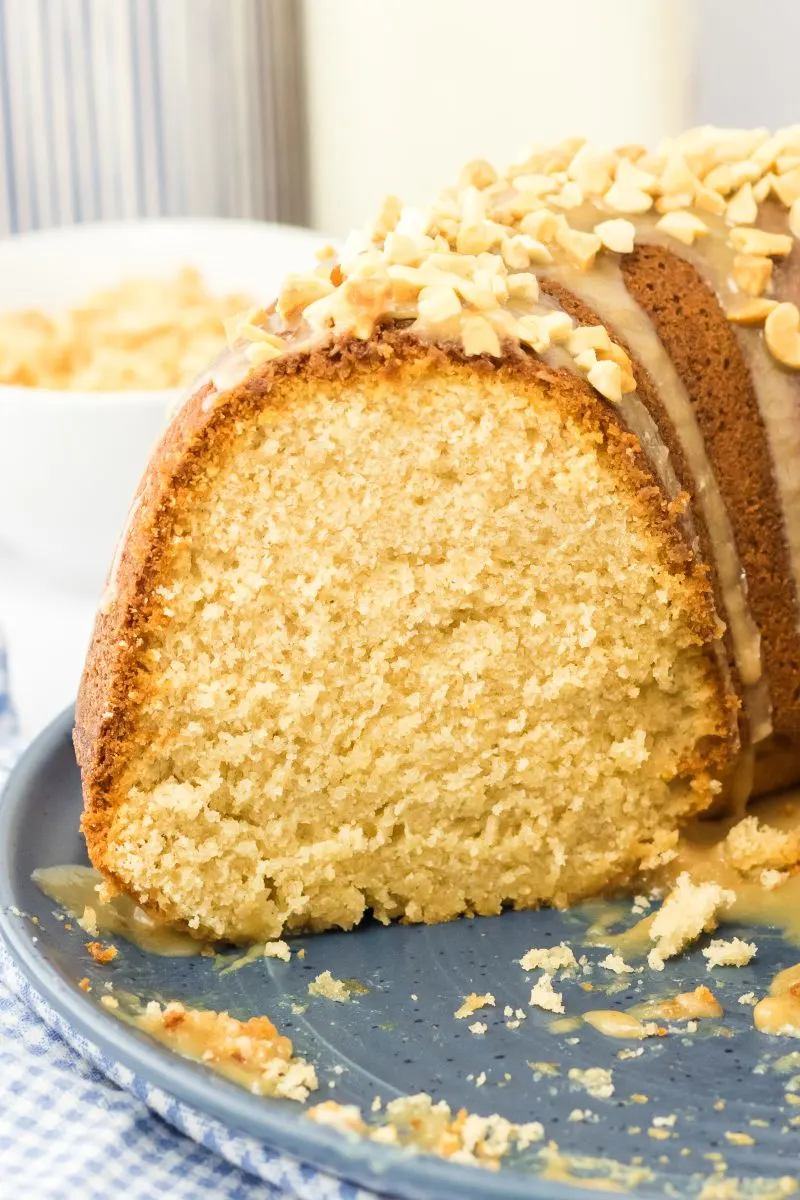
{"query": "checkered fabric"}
pixel 76 1126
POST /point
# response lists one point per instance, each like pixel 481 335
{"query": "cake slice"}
pixel 444 590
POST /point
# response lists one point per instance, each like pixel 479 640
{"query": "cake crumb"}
pixel 583 1114
pixel 725 1187
pixel 88 922
pixel 550 958
pixel 617 964
pixel 739 1139
pixel 301 953
pixel 771 879
pixel 481 1080
pixel 109 1002
pixel 419 1122
pixel 513 1017
pixel 252 1051
pixel 686 1006
pixel 472 1003
pixel 278 949
pixel 544 1069
pixel 100 953
pixel 478 1027
pixel 84 984
pixel 297 1009
pixel 689 910
pixel 597 1081
pixel 346 1118
pixel 331 988
pixel 732 953
pixel 543 995
pixel 748 998
pixel 628 1052
pixel 752 847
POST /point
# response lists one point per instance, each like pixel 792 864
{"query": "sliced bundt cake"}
pixel 471 572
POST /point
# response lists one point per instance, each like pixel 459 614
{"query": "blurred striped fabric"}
pixel 9 746
pixel 126 108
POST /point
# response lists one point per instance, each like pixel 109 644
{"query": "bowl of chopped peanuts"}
pixel 103 327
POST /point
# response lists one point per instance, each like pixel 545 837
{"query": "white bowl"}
pixel 70 462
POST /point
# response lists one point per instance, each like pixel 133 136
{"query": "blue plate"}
pixel 401 1037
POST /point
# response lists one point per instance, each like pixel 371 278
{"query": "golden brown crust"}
pixel 707 355
pixel 648 393
pixel 114 683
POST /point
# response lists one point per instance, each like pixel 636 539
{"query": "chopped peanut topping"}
pixel 752 273
pixel 782 333
pixel 794 218
pixel 298 292
pixel 438 304
pixel 478 173
pixel 581 248
pixel 478 336
pixel 541 225
pixel 742 209
pixel 787 187
pixel 606 377
pixel 627 199
pixel 753 312
pixel 467 267
pixel 684 226
pixel 758 241
pixel 616 234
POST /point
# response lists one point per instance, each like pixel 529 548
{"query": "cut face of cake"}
pixel 469 575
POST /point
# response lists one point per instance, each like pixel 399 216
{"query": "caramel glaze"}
pixel 638 1022
pixel 728 427
pixel 76 889
pixel 779 1012
pixel 702 854
pixel 615 1024
pixel 643 415
pixel 239 1050
pixel 726 383
pixel 662 394
pixel 686 1006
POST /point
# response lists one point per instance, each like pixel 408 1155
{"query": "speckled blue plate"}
pixel 401 1037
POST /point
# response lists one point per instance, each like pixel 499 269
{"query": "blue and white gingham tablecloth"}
pixel 75 1125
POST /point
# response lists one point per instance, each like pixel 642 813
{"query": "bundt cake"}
pixel 470 573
